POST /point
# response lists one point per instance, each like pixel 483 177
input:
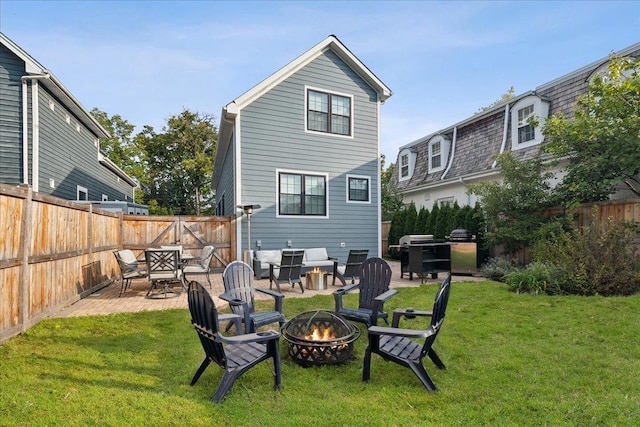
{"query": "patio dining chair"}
pixel 201 265
pixel 234 354
pixel 351 269
pixel 163 269
pixel 399 345
pixel 239 292
pixel 129 268
pixel 288 271
pixel 373 286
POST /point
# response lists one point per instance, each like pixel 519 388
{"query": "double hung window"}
pixel 526 132
pixel 302 194
pixel 327 112
pixel 358 189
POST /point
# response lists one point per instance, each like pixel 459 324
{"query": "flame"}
pixel 316 270
pixel 318 334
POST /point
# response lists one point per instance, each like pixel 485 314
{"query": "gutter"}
pixel 35 131
pixel 453 152
pixel 504 134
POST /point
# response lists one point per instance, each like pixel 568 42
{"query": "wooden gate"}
pixel 192 232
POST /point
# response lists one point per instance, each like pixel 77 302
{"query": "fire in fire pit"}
pixel 320 337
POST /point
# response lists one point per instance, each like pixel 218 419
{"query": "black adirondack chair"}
pixel 373 284
pixel 235 354
pixel 351 269
pixel 239 292
pixel 398 345
pixel 289 270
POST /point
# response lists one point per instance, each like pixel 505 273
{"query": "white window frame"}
pixel 540 113
pixel 301 172
pixel 81 189
pixel 411 157
pixel 348 188
pixel 329 92
pixel 444 144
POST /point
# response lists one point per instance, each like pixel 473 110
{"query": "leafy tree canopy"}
pixel 513 207
pixel 603 137
pixel 180 163
pixel 391 200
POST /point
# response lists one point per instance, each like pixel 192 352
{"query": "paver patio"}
pixel 106 300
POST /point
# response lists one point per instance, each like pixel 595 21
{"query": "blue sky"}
pixel 148 60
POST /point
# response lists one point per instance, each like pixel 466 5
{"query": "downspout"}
pixel 453 152
pixel 35 131
pixel 504 134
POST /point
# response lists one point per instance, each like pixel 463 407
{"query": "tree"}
pixel 121 148
pixel 410 219
pixel 391 199
pixel 513 207
pixel 603 137
pixel 504 98
pixel 180 162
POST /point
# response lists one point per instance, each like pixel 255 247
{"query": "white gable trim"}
pixel 301 61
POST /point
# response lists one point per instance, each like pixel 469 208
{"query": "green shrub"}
pixel 533 279
pixel 497 268
pixel 586 261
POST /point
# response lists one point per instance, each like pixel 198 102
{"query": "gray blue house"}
pixel 304 145
pixel 48 139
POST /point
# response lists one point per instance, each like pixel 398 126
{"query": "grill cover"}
pixel 415 239
pixel 460 235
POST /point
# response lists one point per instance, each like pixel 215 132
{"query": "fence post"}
pixel 24 314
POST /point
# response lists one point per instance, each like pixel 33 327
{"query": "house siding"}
pixel 225 187
pixel 274 138
pixel 480 139
pixel 11 69
pixel 70 157
pixel 65 155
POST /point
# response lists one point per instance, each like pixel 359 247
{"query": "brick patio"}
pixel 106 300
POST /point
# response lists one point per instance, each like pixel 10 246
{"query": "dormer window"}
pixel 523 133
pixel 438 153
pixel 404 166
pixel 526 132
pixel 406 161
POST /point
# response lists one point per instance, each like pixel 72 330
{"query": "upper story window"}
pixel 526 132
pixel 302 194
pixel 329 112
pixel 406 159
pixel 523 133
pixel 404 166
pixel 438 153
pixel 358 189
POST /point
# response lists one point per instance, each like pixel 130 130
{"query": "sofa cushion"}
pixel 265 257
pixel 315 254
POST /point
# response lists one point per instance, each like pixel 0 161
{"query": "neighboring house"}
pixel 48 139
pixel 304 145
pixel 438 167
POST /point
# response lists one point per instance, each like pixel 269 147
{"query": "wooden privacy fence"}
pixel 54 252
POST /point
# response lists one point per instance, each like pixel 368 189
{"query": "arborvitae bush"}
pixel 410 219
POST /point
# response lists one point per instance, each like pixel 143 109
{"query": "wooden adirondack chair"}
pixel 373 284
pixel 239 292
pixel 234 354
pixel 398 345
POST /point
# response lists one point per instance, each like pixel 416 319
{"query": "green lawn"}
pixel 512 360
